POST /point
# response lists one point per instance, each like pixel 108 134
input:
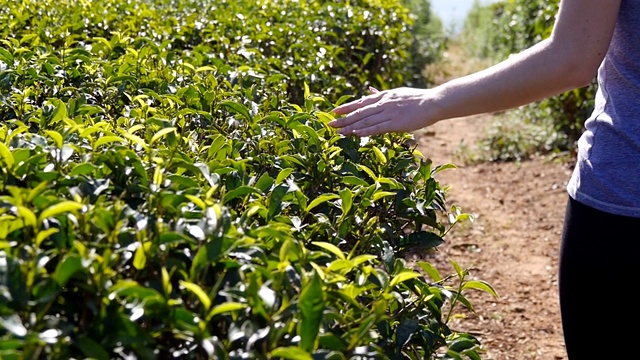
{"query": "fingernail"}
pixel 372 89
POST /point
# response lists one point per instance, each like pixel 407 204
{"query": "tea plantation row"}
pixel 169 186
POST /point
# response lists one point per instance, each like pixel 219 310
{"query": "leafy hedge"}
pixel 515 26
pixel 169 186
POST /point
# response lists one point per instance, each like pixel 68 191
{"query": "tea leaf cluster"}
pixel 169 187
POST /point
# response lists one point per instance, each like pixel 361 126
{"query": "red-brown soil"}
pixel 513 243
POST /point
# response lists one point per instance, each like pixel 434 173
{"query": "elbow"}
pixel 579 67
pixel 580 75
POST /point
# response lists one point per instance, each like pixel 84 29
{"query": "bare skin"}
pixel 568 59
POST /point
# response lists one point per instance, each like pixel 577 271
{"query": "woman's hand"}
pixel 397 110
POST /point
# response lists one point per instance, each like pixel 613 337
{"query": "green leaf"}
pixel 363 329
pixel 27 215
pixel 238 109
pixel 346 197
pixel 83 169
pixel 166 283
pixel 6 156
pixel 354 181
pixel 440 168
pixel 106 140
pixel 321 199
pixel 457 267
pixel 380 194
pixel 275 200
pixel 130 288
pixel 379 155
pixel 291 353
pixel 206 255
pixel 197 290
pixel 140 257
pixel 331 248
pixel 160 134
pixel 91 349
pixel 43 234
pixel 368 171
pixel 404 331
pixel 60 111
pixel 424 239
pixel 6 56
pixel 311 304
pixel 196 200
pixel 68 267
pixel 307 92
pixel 343 99
pixel 59 208
pixel 225 308
pixel 56 136
pixel 430 270
pixel 480 285
pixel 283 174
pixel 402 277
pixel 240 191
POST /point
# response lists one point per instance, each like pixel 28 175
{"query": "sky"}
pixel 453 12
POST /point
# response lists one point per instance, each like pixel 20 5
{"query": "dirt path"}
pixel 513 243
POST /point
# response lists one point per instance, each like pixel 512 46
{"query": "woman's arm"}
pixel 568 59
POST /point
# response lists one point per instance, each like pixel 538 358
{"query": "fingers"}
pixel 359 114
pixel 364 123
pixel 354 105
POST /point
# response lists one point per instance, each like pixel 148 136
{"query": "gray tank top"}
pixel 607 173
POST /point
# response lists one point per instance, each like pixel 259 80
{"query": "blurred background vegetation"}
pixel 490 34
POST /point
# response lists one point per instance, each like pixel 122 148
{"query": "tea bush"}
pixel 515 26
pixel 169 186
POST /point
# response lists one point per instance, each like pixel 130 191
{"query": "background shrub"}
pixel 508 27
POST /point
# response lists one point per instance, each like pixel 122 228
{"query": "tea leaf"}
pixel 91 349
pixel 166 282
pixel 402 277
pixel 106 140
pixel 43 234
pixel 225 308
pixel 59 208
pixel 380 194
pixel 347 200
pixel 6 156
pixel 240 191
pixel 379 155
pixel 60 111
pixel 311 304
pixel 430 270
pixel 140 256
pixel 320 200
pixel 83 169
pixel 160 134
pixel 197 290
pixel 69 266
pixel 480 285
pixel 238 109
pixel 27 215
pixel 57 138
pixel 291 353
pixel 331 248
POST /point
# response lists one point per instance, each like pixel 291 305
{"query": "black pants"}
pixel 598 281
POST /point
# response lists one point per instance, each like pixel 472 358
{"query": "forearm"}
pixel 537 73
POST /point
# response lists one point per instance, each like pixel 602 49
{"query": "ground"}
pixel 513 243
